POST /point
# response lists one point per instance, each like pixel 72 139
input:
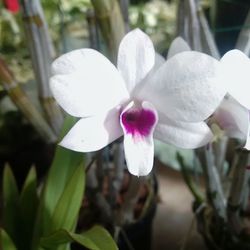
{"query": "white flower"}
pixel 233 114
pixel 140 100
pixel 235 67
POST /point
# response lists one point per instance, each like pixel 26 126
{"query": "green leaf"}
pixel 10 204
pixel 6 242
pixel 68 206
pixel 97 238
pixel 64 164
pixel 28 208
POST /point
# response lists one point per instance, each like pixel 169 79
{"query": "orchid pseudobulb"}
pixel 140 99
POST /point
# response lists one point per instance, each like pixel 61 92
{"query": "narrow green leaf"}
pixel 97 238
pixel 6 242
pixel 28 208
pixel 100 237
pixel 10 204
pixel 64 164
pixel 68 206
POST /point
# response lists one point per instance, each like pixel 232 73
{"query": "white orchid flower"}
pixel 137 100
pixel 235 70
pixel 233 114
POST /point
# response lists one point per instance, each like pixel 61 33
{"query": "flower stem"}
pixel 191 185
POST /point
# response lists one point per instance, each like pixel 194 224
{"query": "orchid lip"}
pixel 138 121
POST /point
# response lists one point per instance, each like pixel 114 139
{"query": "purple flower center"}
pixel 138 122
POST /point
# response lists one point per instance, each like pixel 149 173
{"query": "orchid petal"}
pixel 136 57
pixel 178 45
pixel 183 134
pixel 86 83
pixel 235 67
pixel 159 60
pixel 185 88
pixel 93 133
pixel 138 141
pixel 233 118
pixel 139 155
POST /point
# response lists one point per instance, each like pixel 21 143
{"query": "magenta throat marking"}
pixel 138 122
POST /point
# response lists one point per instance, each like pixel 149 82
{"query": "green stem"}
pixel 191 185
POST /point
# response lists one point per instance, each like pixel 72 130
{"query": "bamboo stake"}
pixel 111 23
pixel 208 42
pixel 64 48
pixel 238 188
pixel 194 26
pixel 46 33
pixel 213 183
pixel 21 100
pixel 182 21
pixel 220 149
pixel 124 9
pixel 92 28
pixel 243 42
pixel 41 50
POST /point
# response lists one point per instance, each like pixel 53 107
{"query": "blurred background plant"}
pixel 45 207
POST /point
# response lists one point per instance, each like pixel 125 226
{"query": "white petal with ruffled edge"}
pixel 86 83
pixel 185 88
pixel 233 118
pixel 235 71
pixel 182 134
pixel 136 57
pixel 93 133
pixel 178 45
pixel 139 147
